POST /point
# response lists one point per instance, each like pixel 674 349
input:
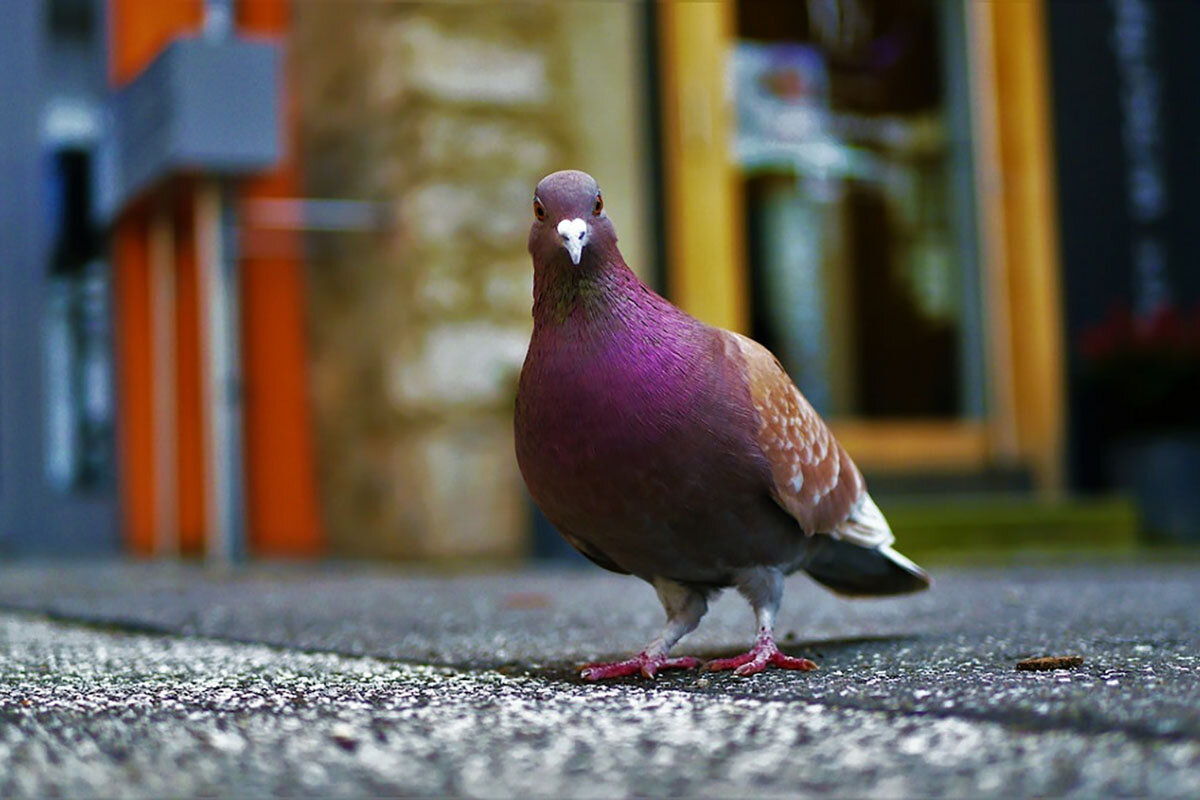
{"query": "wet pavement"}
pixel 351 681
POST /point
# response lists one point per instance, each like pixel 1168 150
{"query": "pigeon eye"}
pixel 539 210
pixel 599 206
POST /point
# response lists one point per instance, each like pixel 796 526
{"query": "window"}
pixel 862 277
pixel 76 334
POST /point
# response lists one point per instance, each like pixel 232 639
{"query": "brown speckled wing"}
pixel 814 479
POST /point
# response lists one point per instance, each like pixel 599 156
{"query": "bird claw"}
pixel 765 653
pixel 642 663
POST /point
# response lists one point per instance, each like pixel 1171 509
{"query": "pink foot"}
pixel 645 664
pixel 764 654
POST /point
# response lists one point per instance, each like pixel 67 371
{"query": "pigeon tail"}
pixel 858 571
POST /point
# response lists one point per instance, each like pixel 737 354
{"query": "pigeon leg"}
pixel 763 587
pixel 684 606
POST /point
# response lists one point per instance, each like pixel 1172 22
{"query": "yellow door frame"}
pixel 1016 197
pixel 1019 253
pixel 706 267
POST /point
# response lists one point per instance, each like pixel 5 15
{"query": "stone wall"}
pixel 445 115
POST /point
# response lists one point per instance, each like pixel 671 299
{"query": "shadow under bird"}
pixel 678 452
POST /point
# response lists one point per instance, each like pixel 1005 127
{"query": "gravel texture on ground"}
pixel 951 651
pixel 380 682
pixel 87 712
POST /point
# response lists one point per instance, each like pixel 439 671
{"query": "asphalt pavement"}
pixel 159 679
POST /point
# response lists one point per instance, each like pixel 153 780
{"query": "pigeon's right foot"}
pixel 647 665
pixel 765 653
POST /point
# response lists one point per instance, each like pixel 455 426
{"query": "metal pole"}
pixel 221 368
pixel 166 424
pixel 221 314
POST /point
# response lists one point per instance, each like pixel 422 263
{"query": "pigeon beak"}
pixel 574 233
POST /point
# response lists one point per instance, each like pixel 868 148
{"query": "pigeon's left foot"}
pixel 646 664
pixel 764 654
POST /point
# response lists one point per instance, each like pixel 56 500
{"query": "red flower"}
pixel 1119 335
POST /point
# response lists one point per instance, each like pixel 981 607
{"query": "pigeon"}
pixel 677 452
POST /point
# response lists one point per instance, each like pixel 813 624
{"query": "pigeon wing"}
pixel 813 478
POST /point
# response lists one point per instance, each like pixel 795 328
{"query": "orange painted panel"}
pixel 283 513
pixel 135 398
pixel 139 29
pixel 280 481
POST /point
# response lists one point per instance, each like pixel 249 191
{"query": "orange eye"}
pixel 539 210
pixel 599 206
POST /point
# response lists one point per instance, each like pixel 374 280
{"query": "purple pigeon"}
pixel 678 452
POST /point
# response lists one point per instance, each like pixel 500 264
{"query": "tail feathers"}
pixel 859 571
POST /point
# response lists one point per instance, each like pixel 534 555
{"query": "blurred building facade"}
pixel 445 120
pixel 318 354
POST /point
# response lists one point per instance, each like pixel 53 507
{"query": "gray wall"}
pixel 35 518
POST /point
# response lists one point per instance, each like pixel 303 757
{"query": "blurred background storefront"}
pixel 265 288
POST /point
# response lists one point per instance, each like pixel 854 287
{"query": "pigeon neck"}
pixel 563 292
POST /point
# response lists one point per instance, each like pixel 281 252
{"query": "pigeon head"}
pixel 569 224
